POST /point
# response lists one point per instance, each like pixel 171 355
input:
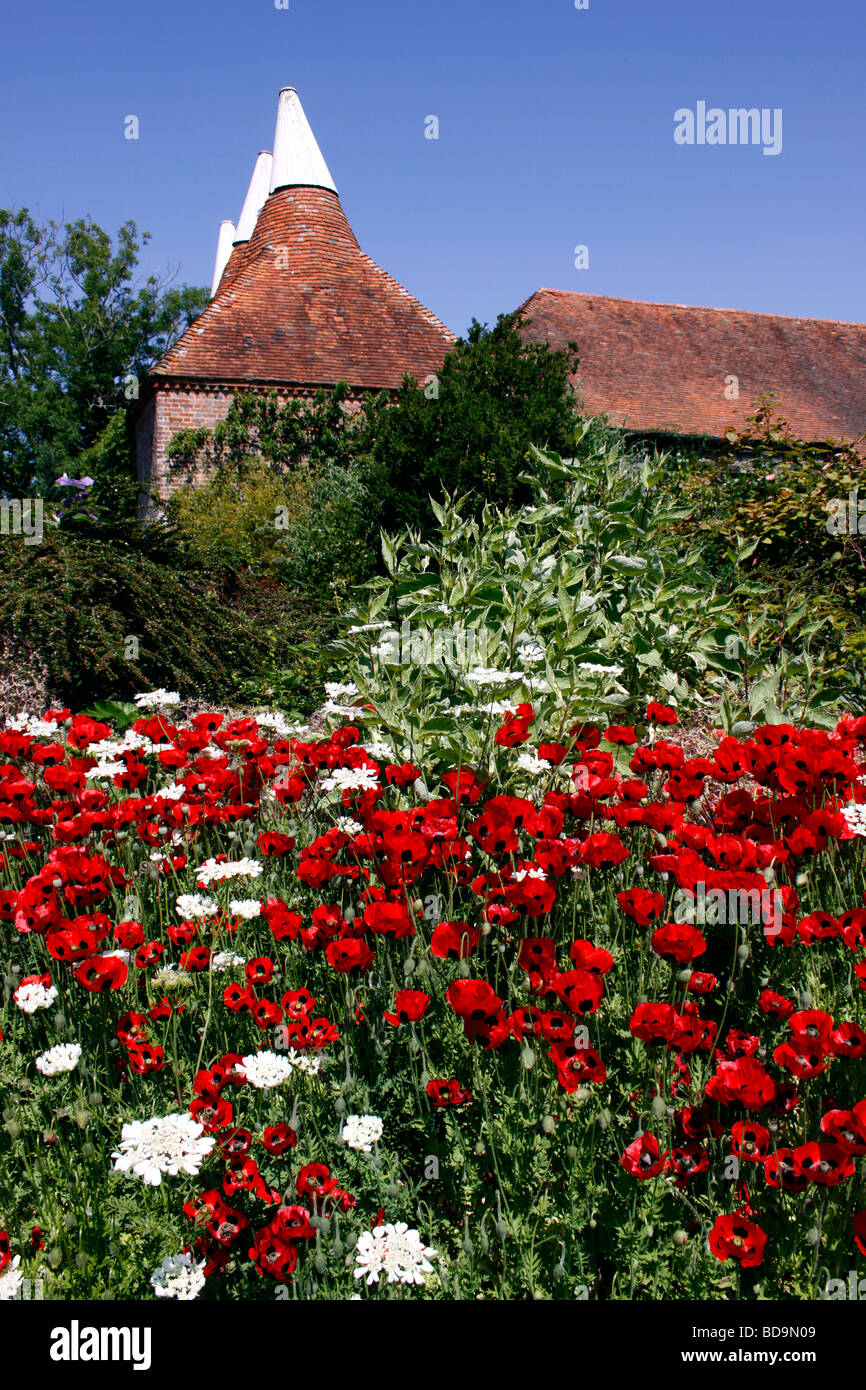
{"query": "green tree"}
pixel 77 335
pixel 470 430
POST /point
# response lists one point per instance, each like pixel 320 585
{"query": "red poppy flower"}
pixel 603 849
pixel 259 971
pixel 826 1163
pixel 278 1138
pixel 410 1005
pixel 273 845
pixel 454 940
pixel 687 1161
pixel 587 956
pixel 802 1056
pixel 781 1171
pixel 470 998
pixel 447 1093
pixel 641 905
pixel 750 1141
pixel 580 990
pixel 653 1022
pixel 842 1128
pixel 660 714
pixel 100 974
pixel 273 1255
pixel 129 935
pixel 775 1004
pixel 353 954
pixel 678 942
pixel 738 1238
pixel 643 1159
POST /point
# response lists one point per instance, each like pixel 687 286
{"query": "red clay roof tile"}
pixel 302 303
pixel 662 367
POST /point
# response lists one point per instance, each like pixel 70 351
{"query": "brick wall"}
pixel 172 408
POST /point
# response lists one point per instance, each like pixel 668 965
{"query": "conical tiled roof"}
pixel 300 302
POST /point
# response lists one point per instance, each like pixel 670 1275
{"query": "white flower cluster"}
pixel 130 743
pixel 63 1057
pixel 10 1281
pixel 855 815
pixel 34 996
pixel 35 727
pixel 395 1251
pixel 179 1276
pixel 348 825
pixel 195 905
pixel 157 699
pixel 211 872
pixel 105 770
pixel 226 960
pixel 335 691
pixel 381 751
pixel 536 767
pixel 265 1070
pixel 168 1144
pixel 530 650
pixel 520 874
pixel 171 977
pixel 593 669
pixel 350 779
pixel 273 719
pixel 173 791
pixel 487 675
pixel 362 1132
pixel 308 1062
pixel 245 907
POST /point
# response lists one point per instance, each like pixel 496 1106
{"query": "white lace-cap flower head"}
pixel 362 1132
pixel 395 1251
pixel 247 908
pixel 34 995
pixel 63 1057
pixel 10 1281
pixel 157 699
pixel 212 872
pixel 169 1144
pixel 179 1276
pixel 195 905
pixel 265 1070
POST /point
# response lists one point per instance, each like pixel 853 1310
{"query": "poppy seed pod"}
pixel 658 1107
pixel 744 952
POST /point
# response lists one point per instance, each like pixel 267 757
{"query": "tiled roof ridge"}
pixel 698 308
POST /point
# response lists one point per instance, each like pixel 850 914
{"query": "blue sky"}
pixel 555 130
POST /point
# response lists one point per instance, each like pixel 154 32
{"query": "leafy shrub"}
pixel 77 602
